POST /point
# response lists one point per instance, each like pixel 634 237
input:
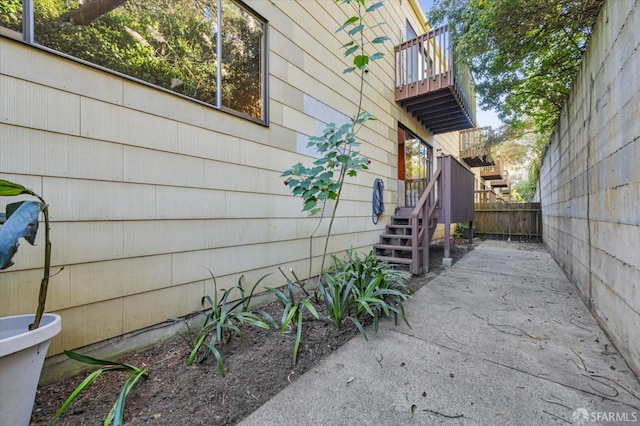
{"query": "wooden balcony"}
pixel 484 196
pixel 494 172
pixel 474 149
pixel 501 183
pixel 431 86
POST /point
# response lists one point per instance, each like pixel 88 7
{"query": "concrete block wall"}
pixel 590 180
pixel 147 187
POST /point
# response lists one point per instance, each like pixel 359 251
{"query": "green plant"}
pixel 116 414
pixel 338 157
pixel 377 299
pixel 374 288
pixel 339 294
pixel 222 320
pixel 21 221
pixel 293 309
pixel 458 231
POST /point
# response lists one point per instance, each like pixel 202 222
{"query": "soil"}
pixel 257 367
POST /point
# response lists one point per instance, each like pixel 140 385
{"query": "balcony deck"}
pixel 503 182
pixel 500 183
pixel 474 149
pixel 494 172
pixel 430 86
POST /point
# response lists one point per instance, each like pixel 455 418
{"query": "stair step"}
pixel 389 259
pixel 403 220
pixel 396 226
pixel 398 236
pixel 392 247
pixel 396 242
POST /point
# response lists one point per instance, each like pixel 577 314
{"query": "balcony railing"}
pixel 414 189
pixel 484 196
pixel 493 172
pixel 474 149
pixel 432 86
pixel 501 183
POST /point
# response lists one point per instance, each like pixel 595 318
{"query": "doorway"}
pixel 415 167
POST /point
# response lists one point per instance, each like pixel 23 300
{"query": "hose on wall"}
pixel 376 203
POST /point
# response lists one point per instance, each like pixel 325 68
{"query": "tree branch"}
pixel 90 11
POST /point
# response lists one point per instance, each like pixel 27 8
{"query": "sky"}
pixel 484 118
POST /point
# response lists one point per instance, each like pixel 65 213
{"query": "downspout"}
pixel 27 21
pixel 219 56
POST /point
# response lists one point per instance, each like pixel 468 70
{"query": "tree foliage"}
pixel 523 54
pixel 338 157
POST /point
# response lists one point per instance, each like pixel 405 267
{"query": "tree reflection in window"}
pixel 242 36
pixel 168 43
pixel 11 14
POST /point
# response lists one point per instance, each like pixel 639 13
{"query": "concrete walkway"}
pixel 501 338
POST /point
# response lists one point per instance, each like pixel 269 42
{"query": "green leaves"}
pixel 116 414
pixel 338 157
pixel 356 288
pixel 352 20
pixel 355 30
pixel 221 322
pixel 9 188
pixel 374 6
pixel 361 61
pixel 380 39
pixel 293 310
pixel 323 181
pixel 355 27
pixel 524 54
pixel 351 50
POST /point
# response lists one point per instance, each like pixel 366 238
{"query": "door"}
pixel 415 166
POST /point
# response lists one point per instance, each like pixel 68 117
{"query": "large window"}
pixel 174 44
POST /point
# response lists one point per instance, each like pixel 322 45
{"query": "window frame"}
pixel 28 36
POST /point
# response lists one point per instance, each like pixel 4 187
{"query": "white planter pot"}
pixel 22 354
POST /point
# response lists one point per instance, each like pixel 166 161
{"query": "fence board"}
pixel 508 220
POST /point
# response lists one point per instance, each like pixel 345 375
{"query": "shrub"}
pixel 293 309
pixel 356 286
pixel 221 322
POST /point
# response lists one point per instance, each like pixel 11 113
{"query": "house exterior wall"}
pixel 147 188
pixel 590 181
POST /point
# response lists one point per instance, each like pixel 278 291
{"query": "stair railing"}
pixel 423 210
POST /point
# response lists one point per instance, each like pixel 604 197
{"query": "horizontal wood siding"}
pixel 147 188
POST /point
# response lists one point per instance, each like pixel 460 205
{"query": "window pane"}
pixel 242 60
pixel 168 43
pixel 11 14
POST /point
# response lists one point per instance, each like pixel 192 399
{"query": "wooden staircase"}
pixel 405 240
pixel 396 246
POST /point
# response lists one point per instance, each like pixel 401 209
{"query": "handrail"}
pixel 421 210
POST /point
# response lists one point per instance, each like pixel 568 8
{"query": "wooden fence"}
pixel 508 220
